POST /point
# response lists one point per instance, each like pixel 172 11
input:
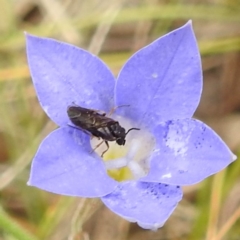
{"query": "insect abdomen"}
pixel 104 133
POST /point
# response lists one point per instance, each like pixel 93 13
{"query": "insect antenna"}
pixel 131 130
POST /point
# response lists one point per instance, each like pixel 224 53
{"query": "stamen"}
pixel 116 163
pixel 136 170
pixel 134 147
pixel 130 161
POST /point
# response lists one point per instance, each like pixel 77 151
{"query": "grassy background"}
pixel 114 30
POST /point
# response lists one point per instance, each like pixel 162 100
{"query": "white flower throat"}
pixel 130 161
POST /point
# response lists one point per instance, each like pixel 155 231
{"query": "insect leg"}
pixel 83 130
pixel 106 149
pixel 97 146
pixel 115 108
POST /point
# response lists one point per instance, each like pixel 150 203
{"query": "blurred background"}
pixel 114 30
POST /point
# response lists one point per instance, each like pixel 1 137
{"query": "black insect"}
pixel 97 124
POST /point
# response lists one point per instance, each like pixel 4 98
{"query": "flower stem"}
pixel 8 225
pixel 215 204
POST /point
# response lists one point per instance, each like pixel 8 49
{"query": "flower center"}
pixel 130 161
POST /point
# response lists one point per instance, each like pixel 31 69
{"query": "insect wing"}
pixel 81 117
pixel 88 118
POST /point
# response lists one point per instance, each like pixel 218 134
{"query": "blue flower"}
pixel 161 85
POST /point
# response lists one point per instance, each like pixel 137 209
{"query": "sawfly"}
pixel 98 125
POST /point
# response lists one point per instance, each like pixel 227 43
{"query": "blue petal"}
pixel 163 80
pixel 65 165
pixel 64 74
pixel 187 151
pixel 148 204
